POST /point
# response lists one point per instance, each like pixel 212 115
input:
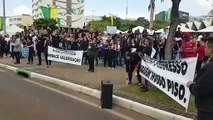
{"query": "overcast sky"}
pixel 137 8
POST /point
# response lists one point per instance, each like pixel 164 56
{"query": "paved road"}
pixel 22 100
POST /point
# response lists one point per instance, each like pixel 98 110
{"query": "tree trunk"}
pixel 152 11
pixel 172 29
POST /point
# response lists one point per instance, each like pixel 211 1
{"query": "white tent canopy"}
pixel 209 29
pixel 12 30
pixel 183 29
pixel 140 28
pixel 119 31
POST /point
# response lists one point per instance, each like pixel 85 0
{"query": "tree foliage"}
pixel 160 24
pixel 45 24
pixel 121 24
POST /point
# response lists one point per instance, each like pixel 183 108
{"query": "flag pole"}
pixel 4 18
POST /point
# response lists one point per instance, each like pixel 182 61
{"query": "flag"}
pixel 54 13
pixel 46 12
pixel 26 24
pixel 112 20
pixel 1 23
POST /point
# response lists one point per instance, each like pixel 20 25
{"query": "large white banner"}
pixel 65 56
pixel 111 30
pixel 170 76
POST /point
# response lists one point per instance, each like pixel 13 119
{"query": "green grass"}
pixel 156 95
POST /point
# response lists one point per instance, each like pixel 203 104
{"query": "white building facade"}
pixel 21 20
pixel 71 12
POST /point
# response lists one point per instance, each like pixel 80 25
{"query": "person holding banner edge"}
pixel 202 87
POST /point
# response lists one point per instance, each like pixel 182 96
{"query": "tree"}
pixel 142 21
pixel 173 26
pixel 45 24
pixel 160 24
pixel 151 8
pixel 98 25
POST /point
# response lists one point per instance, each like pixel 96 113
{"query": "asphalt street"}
pixel 23 100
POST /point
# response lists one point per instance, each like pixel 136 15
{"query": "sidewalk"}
pixel 79 75
pixel 75 74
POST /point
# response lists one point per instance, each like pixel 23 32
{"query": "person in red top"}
pixel 188 48
pixel 201 54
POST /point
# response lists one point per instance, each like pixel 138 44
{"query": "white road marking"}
pixel 81 100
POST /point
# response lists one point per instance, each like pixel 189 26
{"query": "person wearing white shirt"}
pixel 164 34
pixel 151 32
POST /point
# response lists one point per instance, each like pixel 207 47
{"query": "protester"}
pixel 91 56
pixel 188 48
pixel 47 42
pixel 132 63
pixel 17 48
pixel 7 45
pixel 178 36
pixel 148 43
pixel 201 54
pixel 39 48
pixel 2 46
pixel 30 45
pixel 202 87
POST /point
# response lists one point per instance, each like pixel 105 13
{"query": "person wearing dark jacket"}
pixel 39 49
pixel 84 47
pixel 47 43
pixel 91 56
pixel 132 62
pixel 202 87
pixel 30 45
pixel 148 51
pixel 2 46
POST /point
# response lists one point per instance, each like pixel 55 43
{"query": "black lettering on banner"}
pixel 177 90
pixel 159 80
pixel 53 56
pixel 179 67
pixel 181 92
pixel 184 67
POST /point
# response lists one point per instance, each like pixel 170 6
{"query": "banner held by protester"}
pixel 170 83
pixel 65 56
pixel 25 52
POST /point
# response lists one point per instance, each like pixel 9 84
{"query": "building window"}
pixel 19 19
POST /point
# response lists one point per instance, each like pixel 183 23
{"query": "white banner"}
pixel 111 30
pixel 65 56
pixel 170 76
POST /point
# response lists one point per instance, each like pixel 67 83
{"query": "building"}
pixel 166 16
pixel 21 20
pixel 90 18
pixel 71 12
pixel 160 16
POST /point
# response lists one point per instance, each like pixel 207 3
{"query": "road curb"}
pixel 129 104
pixel 23 72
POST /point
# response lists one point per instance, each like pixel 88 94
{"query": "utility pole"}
pixel 4 18
pixel 127 9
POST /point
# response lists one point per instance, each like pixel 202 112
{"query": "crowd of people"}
pixel 112 50
pixel 122 50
